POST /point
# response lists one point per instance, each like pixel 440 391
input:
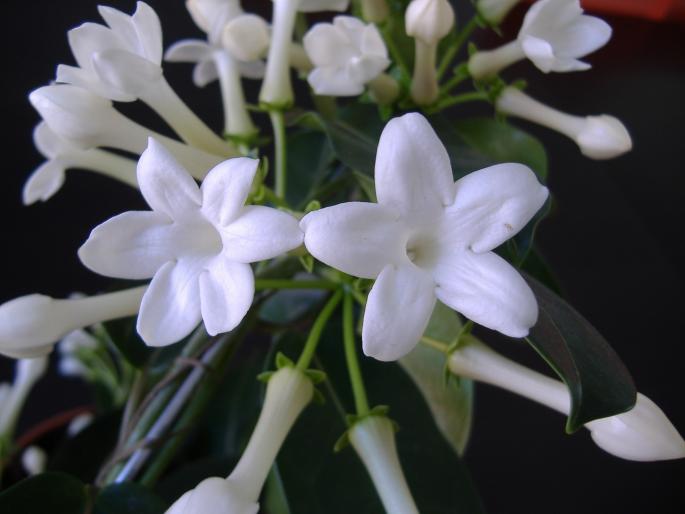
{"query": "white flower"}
pixel 31 325
pixel 277 90
pixel 48 178
pixel 12 397
pixel 246 37
pixel 346 54
pixel 196 244
pixel 86 121
pixel 212 15
pixel 429 20
pixel 288 392
pixel 430 238
pixel 644 433
pixel 494 11
pixel 373 438
pixel 599 137
pixel 554 35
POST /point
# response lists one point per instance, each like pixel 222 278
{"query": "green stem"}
pixel 452 83
pixel 315 333
pixel 449 54
pixel 361 401
pixel 276 283
pixel 278 124
pixel 395 53
pixel 472 96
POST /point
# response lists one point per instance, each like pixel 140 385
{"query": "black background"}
pixel 615 240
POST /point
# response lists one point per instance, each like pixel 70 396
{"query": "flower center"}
pixel 422 250
pixel 201 238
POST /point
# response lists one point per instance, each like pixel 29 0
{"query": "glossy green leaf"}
pixel 598 381
pixel 128 498
pixel 519 246
pixel 309 155
pixel 450 402
pixel 57 493
pixel 289 305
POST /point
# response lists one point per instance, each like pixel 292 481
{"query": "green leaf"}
pixel 519 246
pixel 289 305
pixel 123 334
pixel 128 498
pixel 56 493
pixel 598 381
pixel 309 156
pixel 451 403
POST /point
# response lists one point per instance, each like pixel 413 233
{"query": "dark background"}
pixel 615 240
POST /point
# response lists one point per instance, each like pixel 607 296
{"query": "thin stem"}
pixel 395 53
pixel 463 35
pixel 361 401
pixel 434 343
pixel 275 283
pixel 452 83
pixel 472 96
pixel 278 124
pixel 317 328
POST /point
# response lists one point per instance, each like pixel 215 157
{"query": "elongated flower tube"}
pixel 61 155
pixel 87 121
pixel 494 11
pixel 642 434
pixel 241 57
pixel 196 245
pixel 429 237
pixel 347 54
pixel 12 397
pixel 373 438
pixel 31 325
pixel 554 35
pixel 277 89
pixel 599 137
pixel 427 21
pixel 288 392
pixel 122 62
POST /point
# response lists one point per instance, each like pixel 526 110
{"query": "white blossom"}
pixel 31 325
pixel 554 35
pixel 61 155
pixel 346 54
pixel 277 90
pixel 288 392
pixel 644 433
pixel 86 121
pixel 373 438
pixel 122 62
pixel 196 245
pixel 599 137
pixel 429 238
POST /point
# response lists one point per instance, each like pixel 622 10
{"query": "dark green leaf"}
pixel 520 245
pixel 123 334
pixel 598 381
pixel 56 493
pixel 451 402
pixel 128 498
pixel 289 305
pixel 309 155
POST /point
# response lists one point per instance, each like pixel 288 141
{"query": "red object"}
pixel 657 10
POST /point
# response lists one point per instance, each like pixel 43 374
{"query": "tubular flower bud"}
pixel 246 37
pixel 373 438
pixel 494 11
pixel 31 325
pixel 643 434
pixel 12 397
pixel 599 137
pixel 288 392
pixel 554 35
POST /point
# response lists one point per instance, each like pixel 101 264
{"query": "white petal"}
pixel 215 496
pixel 413 172
pixel 246 37
pixel 226 292
pixel 372 42
pixel 149 31
pixel 89 38
pixel 204 73
pixel 121 23
pixel 540 52
pixel 252 70
pixel 260 233
pixel 488 290
pixel 491 205
pixel 397 311
pixel 367 68
pixel 188 50
pixel 125 71
pixel 170 309
pixel 49 144
pixel 355 237
pixel 88 79
pixel 334 81
pixel 585 35
pixel 44 182
pixel 132 245
pixel 326 45
pixel 225 188
pixel 323 5
pixel 166 186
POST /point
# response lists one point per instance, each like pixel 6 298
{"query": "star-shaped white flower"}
pixel 429 237
pixel 347 54
pixel 196 244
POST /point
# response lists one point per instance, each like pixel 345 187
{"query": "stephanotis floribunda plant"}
pixel 327 214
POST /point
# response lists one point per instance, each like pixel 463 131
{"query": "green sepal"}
pixel 314 205
pixel 461 339
pixel 318 397
pixel 316 375
pixel 307 262
pixel 283 362
pixel 342 442
pixel 265 376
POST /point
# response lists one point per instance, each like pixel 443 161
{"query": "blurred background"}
pixel 615 239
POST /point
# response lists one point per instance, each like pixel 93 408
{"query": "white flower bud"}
pixel 31 325
pixel 214 495
pixel 207 13
pixel 494 11
pixel 429 20
pixel 34 460
pixel 373 438
pixel 599 137
pixel 246 37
